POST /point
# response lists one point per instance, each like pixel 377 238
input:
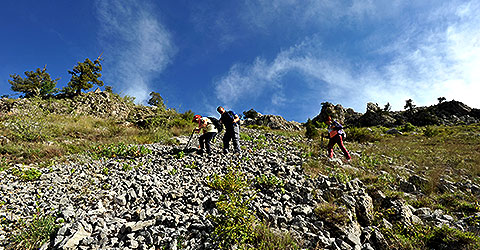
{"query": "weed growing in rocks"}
pixel 268 181
pixel 26 174
pixel 35 233
pixel 428 237
pixel 191 165
pixel 120 150
pixel 235 223
pixel 269 240
pixel 3 164
pixel 331 213
pixel 180 155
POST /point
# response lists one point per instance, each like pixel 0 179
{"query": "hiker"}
pixel 336 135
pixel 232 129
pixel 209 132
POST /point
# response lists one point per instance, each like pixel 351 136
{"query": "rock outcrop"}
pixel 252 117
pixel 445 113
pixel 99 104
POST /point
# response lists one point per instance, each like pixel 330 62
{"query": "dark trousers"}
pixel 234 135
pixel 337 139
pixel 205 140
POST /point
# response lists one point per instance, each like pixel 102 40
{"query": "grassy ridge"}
pixel 35 136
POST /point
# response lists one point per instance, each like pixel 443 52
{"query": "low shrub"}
pixel 331 213
pixel 34 234
pixel 26 174
pixel 363 135
pixel 408 127
pixel 235 223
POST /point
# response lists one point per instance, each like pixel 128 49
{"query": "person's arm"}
pixel 337 126
pixel 237 119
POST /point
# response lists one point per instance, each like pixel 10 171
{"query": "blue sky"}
pixel 281 57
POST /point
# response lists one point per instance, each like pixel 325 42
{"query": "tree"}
pixel 311 132
pixel 84 75
pixel 36 83
pixel 441 99
pixel 409 104
pixel 156 100
pixel 387 107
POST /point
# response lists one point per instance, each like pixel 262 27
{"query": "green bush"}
pixel 450 238
pixel 268 181
pixel 363 135
pixel 331 213
pixel 310 131
pixel 408 127
pixel 431 131
pixel 265 239
pixel 235 223
pixel 34 234
pixel 29 174
pixel 427 237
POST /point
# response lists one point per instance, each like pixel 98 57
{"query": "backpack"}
pixel 216 123
pixel 231 114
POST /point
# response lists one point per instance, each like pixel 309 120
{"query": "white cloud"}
pixel 435 54
pixel 137 46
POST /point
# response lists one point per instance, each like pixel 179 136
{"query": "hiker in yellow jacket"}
pixel 209 132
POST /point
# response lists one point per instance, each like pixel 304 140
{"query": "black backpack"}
pixel 216 123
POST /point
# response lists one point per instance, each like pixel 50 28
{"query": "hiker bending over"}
pixel 209 132
pixel 232 129
pixel 336 135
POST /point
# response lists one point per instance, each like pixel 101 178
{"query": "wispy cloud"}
pixel 435 53
pixel 137 46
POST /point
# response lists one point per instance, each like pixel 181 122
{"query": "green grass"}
pixel 34 234
pixel 37 135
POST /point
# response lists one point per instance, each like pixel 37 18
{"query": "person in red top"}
pixel 336 135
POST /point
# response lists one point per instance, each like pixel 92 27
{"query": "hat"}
pixel 196 117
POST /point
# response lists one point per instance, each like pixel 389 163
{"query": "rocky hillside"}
pixel 166 198
pixel 100 104
pixel 445 113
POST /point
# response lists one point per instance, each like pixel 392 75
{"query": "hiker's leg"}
pixel 226 141
pixel 209 136
pixel 342 147
pixel 236 139
pixel 330 145
pixel 202 141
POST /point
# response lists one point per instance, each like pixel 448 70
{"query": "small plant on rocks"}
pixel 29 174
pixel 268 181
pixel 120 150
pixel 331 213
pixel 35 233
pixel 180 155
pixel 235 223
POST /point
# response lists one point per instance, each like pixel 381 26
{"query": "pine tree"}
pixel 84 75
pixel 36 83
pixel 156 100
pixel 311 132
pixel 409 104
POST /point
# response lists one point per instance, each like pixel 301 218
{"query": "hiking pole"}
pixel 189 139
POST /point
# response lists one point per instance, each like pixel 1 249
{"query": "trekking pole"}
pixel 189 139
